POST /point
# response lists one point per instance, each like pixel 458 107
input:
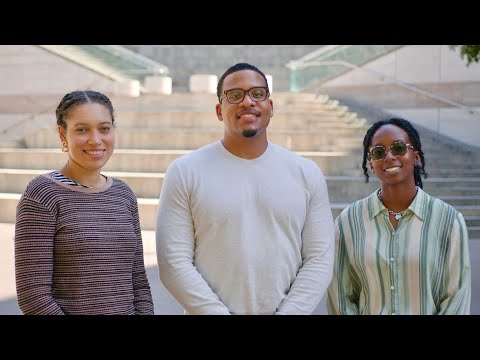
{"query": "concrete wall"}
pixel 31 70
pixel 186 60
pixel 415 64
pixel 435 68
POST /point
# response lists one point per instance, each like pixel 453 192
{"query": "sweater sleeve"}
pixel 175 244
pixel 34 248
pixel 315 273
pixel 141 288
pixel 457 282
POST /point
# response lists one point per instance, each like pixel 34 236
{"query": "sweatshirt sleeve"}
pixel 34 245
pixel 315 274
pixel 175 243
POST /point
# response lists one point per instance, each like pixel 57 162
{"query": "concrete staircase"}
pixel 153 130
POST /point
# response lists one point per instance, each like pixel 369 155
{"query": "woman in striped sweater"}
pixel 399 250
pixel 78 244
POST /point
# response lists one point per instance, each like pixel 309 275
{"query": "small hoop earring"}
pixel 64 146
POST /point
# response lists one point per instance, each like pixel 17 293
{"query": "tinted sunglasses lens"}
pixel 399 149
pixel 377 153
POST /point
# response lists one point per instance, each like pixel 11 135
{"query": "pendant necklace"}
pixel 397 215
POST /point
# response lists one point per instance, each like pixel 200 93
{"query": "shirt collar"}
pixel 418 205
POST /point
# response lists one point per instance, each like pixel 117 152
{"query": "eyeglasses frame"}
pixel 389 149
pixel 245 92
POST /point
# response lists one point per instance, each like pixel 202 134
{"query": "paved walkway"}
pixel 164 303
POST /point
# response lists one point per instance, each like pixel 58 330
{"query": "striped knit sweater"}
pixel 79 250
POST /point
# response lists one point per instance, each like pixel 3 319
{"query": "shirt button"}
pixel 392 287
pixel 393 234
pixel 392 259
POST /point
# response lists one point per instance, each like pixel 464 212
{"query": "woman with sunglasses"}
pixel 399 250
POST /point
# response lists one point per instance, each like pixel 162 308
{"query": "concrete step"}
pixel 148 184
pixel 180 139
pixel 11 144
pixel 467 211
pixel 473 232
pixel 144 185
pixel 205 102
pixel 472 221
pixel 457 165
pixel 152 161
pixel 354 186
pixel 455 200
pixel 149 161
pixel 153 102
pixel 451 165
pixel 457 191
pixel 455 174
pixel 458 172
pixel 440 157
pixel 448 182
pixel 202 120
pixel 148 208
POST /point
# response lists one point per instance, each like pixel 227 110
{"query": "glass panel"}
pixel 305 74
pixel 113 61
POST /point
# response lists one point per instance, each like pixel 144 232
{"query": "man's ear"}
pixel 218 110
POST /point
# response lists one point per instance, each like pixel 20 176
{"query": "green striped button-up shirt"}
pixel 422 267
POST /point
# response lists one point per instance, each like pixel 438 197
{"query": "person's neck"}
pixel 246 148
pixel 398 198
pixel 80 176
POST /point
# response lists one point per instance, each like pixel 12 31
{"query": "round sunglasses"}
pixel 398 148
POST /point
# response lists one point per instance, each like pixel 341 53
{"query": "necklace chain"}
pixel 397 215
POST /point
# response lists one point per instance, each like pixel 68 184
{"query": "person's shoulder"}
pixel 196 154
pixel 39 184
pixel 120 189
pixel 195 157
pixel 354 207
pixel 120 184
pixel 437 203
pixel 292 156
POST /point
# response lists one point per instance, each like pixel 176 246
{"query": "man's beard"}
pixel 249 133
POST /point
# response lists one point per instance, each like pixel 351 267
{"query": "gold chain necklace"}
pixel 397 215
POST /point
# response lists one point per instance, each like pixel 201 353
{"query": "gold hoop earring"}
pixel 64 146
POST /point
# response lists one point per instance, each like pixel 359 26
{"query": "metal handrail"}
pixel 395 81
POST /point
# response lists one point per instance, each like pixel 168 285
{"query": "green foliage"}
pixel 471 52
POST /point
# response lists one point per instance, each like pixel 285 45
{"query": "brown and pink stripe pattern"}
pixel 79 250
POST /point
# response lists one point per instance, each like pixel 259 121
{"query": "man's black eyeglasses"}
pixel 236 96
